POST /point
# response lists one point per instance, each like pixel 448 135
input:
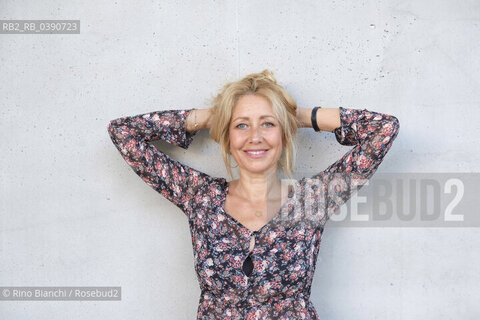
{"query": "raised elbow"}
pixel 112 124
pixel 396 123
pixel 111 128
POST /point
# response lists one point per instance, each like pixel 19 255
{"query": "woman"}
pixel 254 255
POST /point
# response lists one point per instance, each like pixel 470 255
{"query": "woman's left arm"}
pixel 372 135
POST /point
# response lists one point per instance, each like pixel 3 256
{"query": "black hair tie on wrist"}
pixel 314 119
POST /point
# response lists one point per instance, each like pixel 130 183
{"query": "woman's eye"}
pixel 243 125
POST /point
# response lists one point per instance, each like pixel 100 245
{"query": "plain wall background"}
pixel 73 213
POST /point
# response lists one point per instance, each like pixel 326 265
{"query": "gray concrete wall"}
pixel 74 214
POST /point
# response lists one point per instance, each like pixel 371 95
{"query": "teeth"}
pixel 256 152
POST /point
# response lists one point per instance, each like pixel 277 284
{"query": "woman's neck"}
pixel 258 188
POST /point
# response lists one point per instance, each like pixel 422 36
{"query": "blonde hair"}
pixel 284 108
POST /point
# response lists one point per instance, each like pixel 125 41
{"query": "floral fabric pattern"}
pixel 286 248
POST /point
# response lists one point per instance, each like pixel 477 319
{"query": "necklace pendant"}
pixel 258 213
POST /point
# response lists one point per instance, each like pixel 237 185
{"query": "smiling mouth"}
pixel 256 153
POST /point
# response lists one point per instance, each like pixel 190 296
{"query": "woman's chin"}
pixel 259 169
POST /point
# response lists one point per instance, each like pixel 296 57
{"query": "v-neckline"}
pixel 222 207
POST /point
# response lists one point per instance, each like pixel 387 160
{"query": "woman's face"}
pixel 255 135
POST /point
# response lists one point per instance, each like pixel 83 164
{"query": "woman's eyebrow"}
pixel 261 117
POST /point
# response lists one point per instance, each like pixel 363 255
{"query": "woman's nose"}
pixel 256 134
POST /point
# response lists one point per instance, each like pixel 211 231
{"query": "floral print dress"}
pixel 272 281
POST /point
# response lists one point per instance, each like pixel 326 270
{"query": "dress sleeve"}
pixel 372 134
pixel 173 180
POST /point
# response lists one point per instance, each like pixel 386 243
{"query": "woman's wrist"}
pixel 328 119
pixel 198 119
pixel 304 115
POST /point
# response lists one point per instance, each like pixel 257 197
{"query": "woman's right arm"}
pixel 199 119
pixel 131 135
